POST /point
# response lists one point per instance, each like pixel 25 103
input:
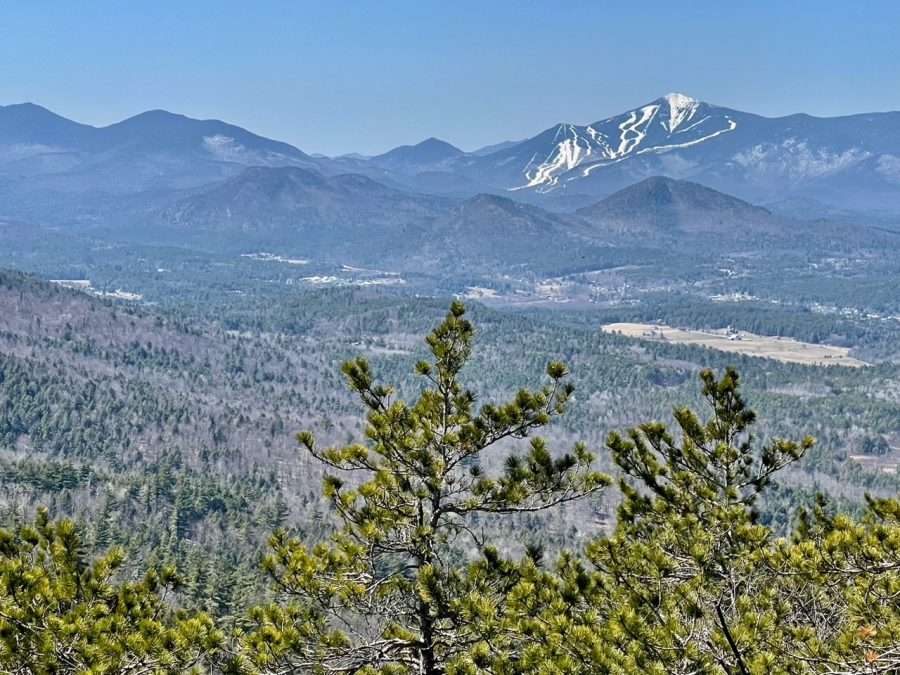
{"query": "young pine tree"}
pixel 62 614
pixel 383 594
pixel 681 585
pixel 690 593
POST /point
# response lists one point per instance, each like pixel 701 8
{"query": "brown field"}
pixel 741 342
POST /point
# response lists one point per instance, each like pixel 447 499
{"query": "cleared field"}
pixel 741 342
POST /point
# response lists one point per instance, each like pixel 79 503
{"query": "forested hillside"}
pixel 173 436
pixel 411 570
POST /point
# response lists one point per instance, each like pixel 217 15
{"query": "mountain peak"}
pixel 155 118
pixel 437 148
pixel 431 151
pixel 662 203
pixel 158 129
pixel 676 99
pixel 24 105
pixel 157 113
pixel 32 123
pixel 681 108
pixel 672 122
pixel 433 141
pixel 29 110
pixel 657 191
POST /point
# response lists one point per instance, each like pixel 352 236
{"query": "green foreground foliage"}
pixel 59 614
pixel 689 580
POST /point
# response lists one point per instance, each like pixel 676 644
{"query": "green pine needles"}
pixel 59 614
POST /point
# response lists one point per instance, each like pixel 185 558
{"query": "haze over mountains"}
pixel 162 177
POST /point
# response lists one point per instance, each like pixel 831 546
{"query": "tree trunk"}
pixel 428 664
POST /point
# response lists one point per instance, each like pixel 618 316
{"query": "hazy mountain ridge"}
pixel 496 232
pixel 850 162
pixel 431 154
pixel 347 216
pixel 61 171
pixel 350 218
pixel 151 131
pixel 159 177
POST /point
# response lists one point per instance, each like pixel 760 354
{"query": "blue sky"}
pixel 336 77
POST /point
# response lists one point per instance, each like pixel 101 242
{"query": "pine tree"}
pixel 838 581
pixel 60 613
pixel 684 554
pixel 382 594
pixel 680 586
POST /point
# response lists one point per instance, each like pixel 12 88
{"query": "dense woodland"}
pixel 169 432
pixel 409 569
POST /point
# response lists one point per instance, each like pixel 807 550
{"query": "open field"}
pixel 787 350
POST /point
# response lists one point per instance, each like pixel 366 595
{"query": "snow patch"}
pixel 634 128
pixel 681 109
pixel 732 125
pixel 333 280
pixel 479 293
pixel 25 150
pixel 889 167
pixel 227 149
pixel 364 270
pixel 272 257
pixel 224 147
pixel 567 154
pixel 86 286
pixel 794 159
pixel 321 279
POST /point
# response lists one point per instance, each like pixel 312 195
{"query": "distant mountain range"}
pixel 153 150
pixel 850 162
pixel 658 173
pixel 297 207
pixel 429 155
pixel 349 218
pixel 352 219
pixel 28 130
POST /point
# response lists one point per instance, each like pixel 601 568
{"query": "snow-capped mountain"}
pixel 56 170
pixel 672 122
pixel 852 161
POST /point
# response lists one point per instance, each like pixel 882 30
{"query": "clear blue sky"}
pixel 365 76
